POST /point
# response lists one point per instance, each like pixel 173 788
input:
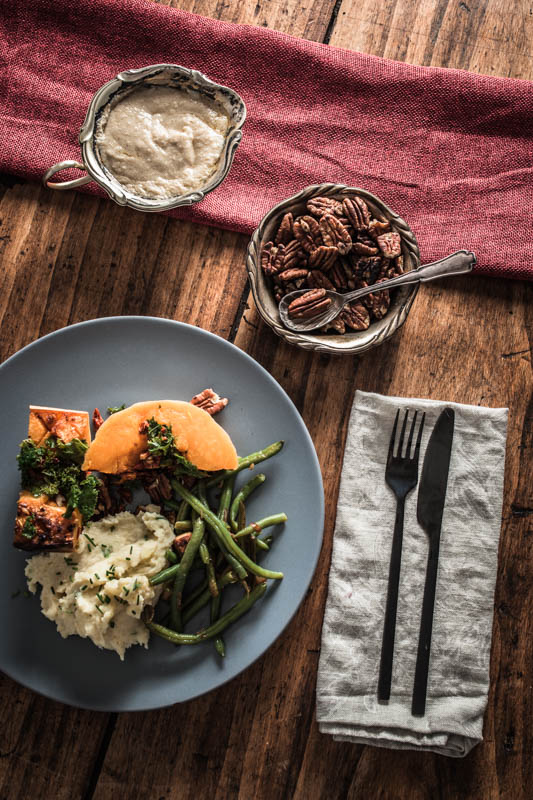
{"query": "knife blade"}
pixel 430 508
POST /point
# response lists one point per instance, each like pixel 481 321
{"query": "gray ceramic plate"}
pixel 125 360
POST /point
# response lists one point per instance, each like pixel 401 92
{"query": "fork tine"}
pixel 402 434
pixel 410 439
pixel 393 437
pixel 419 437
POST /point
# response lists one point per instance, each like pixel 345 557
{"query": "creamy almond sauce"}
pixel 162 142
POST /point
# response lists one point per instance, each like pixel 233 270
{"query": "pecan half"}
pixel 378 303
pixel 285 234
pixel 292 275
pixel 210 401
pixel 272 258
pixel 369 269
pixel 377 227
pixel 357 212
pixel 323 257
pixel 293 255
pixel 98 420
pixel 337 276
pixel 364 250
pixel 309 304
pixel 318 206
pixel 317 280
pixel 335 234
pixel 307 232
pixel 336 324
pixel 355 316
pixel 181 542
pixel 390 244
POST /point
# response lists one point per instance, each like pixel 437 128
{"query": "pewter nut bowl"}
pixel 331 343
pixel 171 75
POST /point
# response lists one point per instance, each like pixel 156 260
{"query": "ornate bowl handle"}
pixel 61 165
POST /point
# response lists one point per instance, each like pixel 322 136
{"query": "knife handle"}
pixel 418 707
pixel 389 626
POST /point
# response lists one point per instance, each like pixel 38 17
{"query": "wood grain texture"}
pixel 68 257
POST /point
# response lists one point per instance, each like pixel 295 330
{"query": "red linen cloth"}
pixel 450 151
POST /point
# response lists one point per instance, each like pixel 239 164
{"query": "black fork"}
pixel 401 475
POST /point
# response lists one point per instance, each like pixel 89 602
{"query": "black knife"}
pixel 431 499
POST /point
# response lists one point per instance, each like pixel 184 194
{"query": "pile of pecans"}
pixel 337 245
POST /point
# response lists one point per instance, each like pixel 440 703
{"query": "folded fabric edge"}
pixel 454 746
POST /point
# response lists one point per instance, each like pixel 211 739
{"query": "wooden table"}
pixel 68 257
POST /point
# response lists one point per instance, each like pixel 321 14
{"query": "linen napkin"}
pixel 448 150
pixel 347 705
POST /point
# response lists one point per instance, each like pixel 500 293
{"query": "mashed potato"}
pixel 100 590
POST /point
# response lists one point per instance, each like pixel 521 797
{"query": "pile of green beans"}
pixel 222 545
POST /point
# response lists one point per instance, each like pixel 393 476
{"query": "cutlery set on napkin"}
pixel 407 629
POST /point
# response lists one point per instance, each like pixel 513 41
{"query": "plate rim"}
pixel 137 318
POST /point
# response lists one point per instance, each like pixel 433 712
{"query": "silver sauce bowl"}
pixel 171 75
pixel 331 343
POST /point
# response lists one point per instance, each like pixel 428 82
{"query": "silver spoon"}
pixel 455 264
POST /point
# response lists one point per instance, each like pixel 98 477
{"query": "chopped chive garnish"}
pixel 138 598
pixel 69 562
pixel 135 585
pixel 100 597
pixel 106 550
pixel 126 590
pixel 97 576
pixel 107 598
pixel 99 610
pixel 131 550
pixel 83 588
pixel 91 542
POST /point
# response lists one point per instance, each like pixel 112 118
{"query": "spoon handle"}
pixel 454 264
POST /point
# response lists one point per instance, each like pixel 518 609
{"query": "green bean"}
pixel 234 613
pixel 205 555
pixel 225 498
pixel 266 522
pixel 247 461
pixel 220 646
pixel 223 535
pixel 192 607
pixel 165 575
pixel 171 556
pixel 230 559
pixel 242 496
pixel 182 511
pixel 181 575
pixel 260 543
pixel 183 525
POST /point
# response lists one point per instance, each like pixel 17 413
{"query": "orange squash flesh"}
pixel 118 443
